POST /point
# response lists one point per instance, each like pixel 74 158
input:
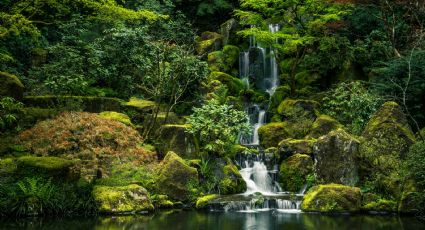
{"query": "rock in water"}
pixel 332 198
pixel 334 158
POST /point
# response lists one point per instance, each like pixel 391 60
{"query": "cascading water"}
pixel 258 66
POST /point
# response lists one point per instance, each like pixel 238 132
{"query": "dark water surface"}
pixel 182 220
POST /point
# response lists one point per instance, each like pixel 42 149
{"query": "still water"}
pixel 183 220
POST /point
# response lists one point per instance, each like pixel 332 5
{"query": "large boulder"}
pixel 11 86
pixel 289 147
pixel 387 138
pixel 272 133
pixel 173 137
pixel 231 181
pixel 332 198
pixel 122 199
pixel 294 172
pixel 290 108
pixel 175 176
pixel 335 158
pixel 55 167
pixel 323 125
pixel 208 42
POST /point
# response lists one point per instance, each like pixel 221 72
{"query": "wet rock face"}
pixel 335 158
pixel 294 172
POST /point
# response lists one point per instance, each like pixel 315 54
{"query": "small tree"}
pixel 218 126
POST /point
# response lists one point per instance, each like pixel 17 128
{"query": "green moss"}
pixel 46 166
pixel 123 118
pixel 272 133
pixel 254 96
pixel 11 86
pixel 123 199
pixel 294 172
pixel 323 125
pixel 175 176
pixel 209 41
pixel 298 108
pixel 140 104
pixel 203 201
pixel 233 84
pixel 7 166
pixel 231 54
pixel 381 205
pixel 387 138
pixel 289 147
pixel 161 201
pixel 236 149
pixel 232 181
pixel 332 198
pixel 174 137
pixel 280 94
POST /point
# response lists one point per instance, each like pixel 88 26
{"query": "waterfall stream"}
pixel 258 67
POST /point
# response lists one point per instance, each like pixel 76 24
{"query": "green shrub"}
pixel 352 104
pixel 9 113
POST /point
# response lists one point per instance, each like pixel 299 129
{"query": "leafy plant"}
pixel 9 113
pixel 218 126
pixel 352 104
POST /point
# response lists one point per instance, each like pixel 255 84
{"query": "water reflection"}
pixel 183 220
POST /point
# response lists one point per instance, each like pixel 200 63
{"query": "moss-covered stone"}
pixel 8 166
pixel 174 177
pixel 250 95
pixel 323 125
pixel 386 141
pixel 46 166
pixel 234 85
pixel 381 206
pixel 11 86
pixel 335 158
pixel 121 117
pixel 279 95
pixel 289 147
pixel 175 138
pixel 272 133
pixel 232 181
pixel 161 202
pixel 332 198
pixel 231 54
pixel 294 172
pixel 140 104
pixel 208 42
pixel 123 199
pixel 298 108
pixel 203 201
pixel 224 60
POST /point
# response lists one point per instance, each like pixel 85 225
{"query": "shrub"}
pixel 98 142
pixel 9 113
pixel 352 104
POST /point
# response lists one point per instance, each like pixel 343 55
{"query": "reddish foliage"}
pixel 96 142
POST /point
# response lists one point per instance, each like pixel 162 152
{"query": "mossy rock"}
pixel 232 181
pixel 121 117
pixel 231 54
pixel 161 202
pixel 279 95
pixel 208 42
pixel 381 206
pixel 250 95
pixel 386 141
pixel 298 108
pixel 335 158
pixel 8 166
pixel 174 177
pixel 74 103
pixel 202 202
pixel 408 202
pixel 234 85
pixel 294 171
pixel 323 125
pixel 122 199
pixel 332 198
pixel 140 104
pixel 46 166
pixel 174 137
pixel 272 133
pixel 11 86
pixel 289 147
pixel 235 150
